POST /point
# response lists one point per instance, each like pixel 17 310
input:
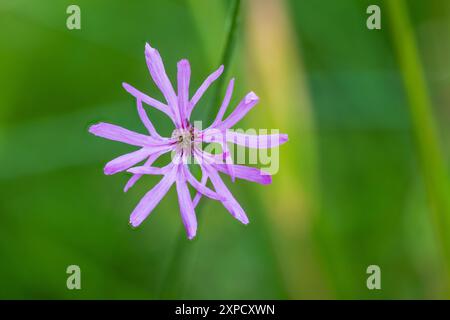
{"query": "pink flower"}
pixel 185 144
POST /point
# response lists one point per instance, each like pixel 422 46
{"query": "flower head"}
pixel 185 144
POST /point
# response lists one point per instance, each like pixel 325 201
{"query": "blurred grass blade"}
pixel 423 125
pixel 278 70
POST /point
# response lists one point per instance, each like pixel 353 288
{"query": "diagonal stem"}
pixel 226 58
pixel 174 280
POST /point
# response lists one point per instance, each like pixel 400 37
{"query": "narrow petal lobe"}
pixel 159 75
pixel 145 120
pixel 246 173
pixel 231 204
pixel 151 199
pixel 250 100
pixel 204 86
pixel 152 158
pixel 225 103
pixel 116 133
pixel 148 100
pixel 126 161
pixel 183 77
pixel 186 207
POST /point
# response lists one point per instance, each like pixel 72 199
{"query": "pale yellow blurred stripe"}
pixel 277 75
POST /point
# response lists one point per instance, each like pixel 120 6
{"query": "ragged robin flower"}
pixel 185 144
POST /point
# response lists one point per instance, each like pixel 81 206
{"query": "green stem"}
pixel 423 125
pixel 173 282
pixel 226 59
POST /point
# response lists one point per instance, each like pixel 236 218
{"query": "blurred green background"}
pixel 362 181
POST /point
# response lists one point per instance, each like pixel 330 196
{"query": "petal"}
pixel 132 181
pixel 145 120
pixel 201 187
pixel 148 100
pixel 126 161
pixel 151 170
pixel 183 77
pixel 159 75
pixel 241 172
pixel 186 207
pixel 204 86
pixel 116 133
pixel 152 158
pixel 225 103
pixel 228 160
pixel 248 140
pixel 246 173
pixel 151 199
pixel 209 158
pixel 250 100
pixel 198 196
pixel 231 204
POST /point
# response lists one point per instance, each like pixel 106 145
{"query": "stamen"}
pixel 185 139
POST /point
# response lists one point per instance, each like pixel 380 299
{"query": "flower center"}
pixel 185 139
